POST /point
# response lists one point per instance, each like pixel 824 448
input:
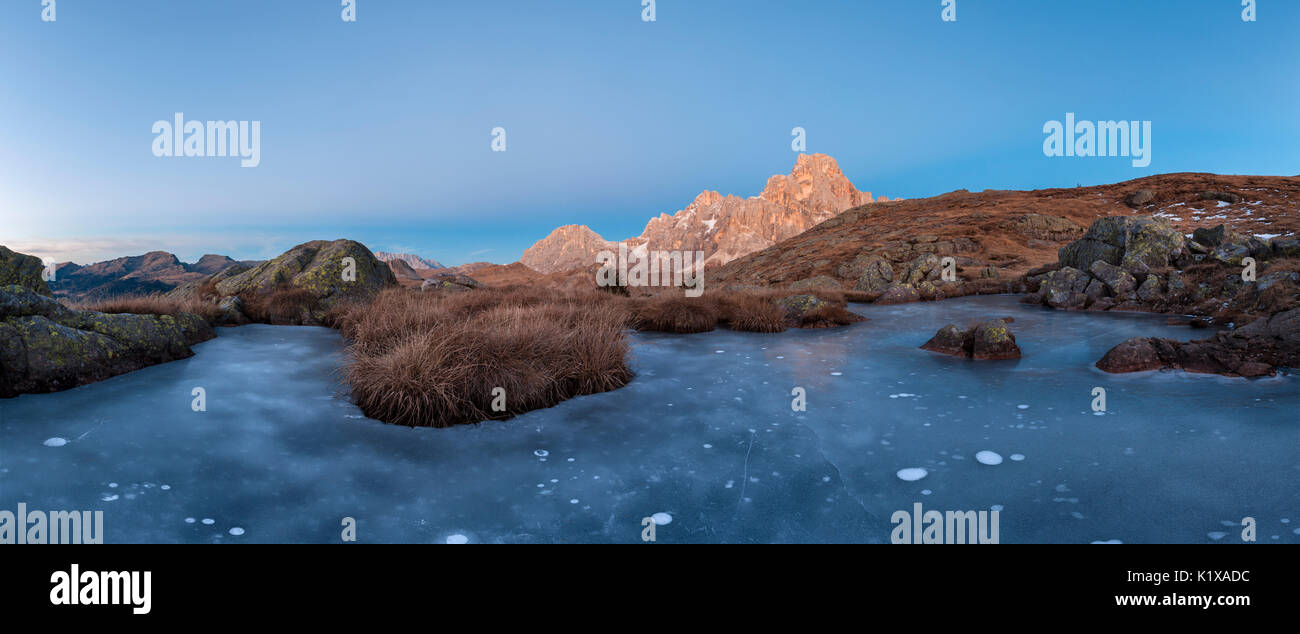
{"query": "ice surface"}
pixel 709 438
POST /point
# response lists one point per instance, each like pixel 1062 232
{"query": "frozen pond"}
pixel 704 435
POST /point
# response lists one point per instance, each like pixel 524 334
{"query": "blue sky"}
pixel 380 130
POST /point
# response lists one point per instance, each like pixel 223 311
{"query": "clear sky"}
pixel 380 130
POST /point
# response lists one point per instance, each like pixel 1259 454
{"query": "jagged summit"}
pixel 723 227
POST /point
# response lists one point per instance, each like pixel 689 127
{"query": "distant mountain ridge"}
pixel 414 261
pixel 723 227
pixel 153 272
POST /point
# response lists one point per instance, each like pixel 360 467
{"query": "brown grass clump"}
pixel 430 359
pixel 752 312
pixel 151 305
pixel 671 312
pixel 286 305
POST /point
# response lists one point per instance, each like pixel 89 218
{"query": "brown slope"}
pixel 1012 231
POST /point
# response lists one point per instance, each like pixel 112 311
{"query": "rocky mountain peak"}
pixel 723 227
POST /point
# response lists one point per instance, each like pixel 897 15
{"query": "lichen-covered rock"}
pixel 22 270
pixel 1134 243
pixel 1150 290
pixel 455 283
pixel 1095 291
pixel 949 340
pixel 1064 288
pixel 1215 236
pixel 899 294
pixel 924 267
pixel 1231 253
pixel 989 341
pixel 1176 283
pixel 796 306
pixel 1095 246
pixel 1139 197
pixel 1256 349
pixel 46 347
pixel 232 311
pixel 1151 243
pixel 1285 248
pixel 820 281
pixel 993 341
pixel 876 274
pixel 330 271
pixel 1133 355
pixel 1119 281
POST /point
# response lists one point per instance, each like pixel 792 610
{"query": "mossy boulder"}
pixel 1151 243
pixel 1151 289
pixel 899 294
pixel 988 341
pixel 329 271
pixel 874 273
pixel 1133 243
pixel 22 270
pixel 1119 281
pixel 1065 288
pixel 46 347
pixel 452 283
pixel 797 306
pixel 924 267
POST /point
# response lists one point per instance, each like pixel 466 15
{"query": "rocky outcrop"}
pixel 329 272
pixel 899 294
pixel 988 341
pixel 873 273
pixel 1044 227
pixel 46 347
pixel 722 227
pixel 451 283
pixel 403 272
pixel 1257 349
pixel 23 270
pixel 1139 198
pixel 1134 243
pixel 796 307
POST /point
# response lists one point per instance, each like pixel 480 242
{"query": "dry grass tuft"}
pixel 426 359
pixel 671 312
pixel 752 312
pixel 151 305
pixel 286 305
